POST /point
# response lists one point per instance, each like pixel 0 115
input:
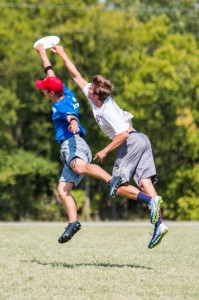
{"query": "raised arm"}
pixel 77 77
pixel 46 62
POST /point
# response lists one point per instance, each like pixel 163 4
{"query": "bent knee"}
pixel 60 194
pixel 80 170
pixel 78 166
pixel 146 183
pixel 64 189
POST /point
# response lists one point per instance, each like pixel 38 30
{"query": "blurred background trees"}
pixel 149 50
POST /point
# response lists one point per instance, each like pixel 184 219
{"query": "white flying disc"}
pixel 48 41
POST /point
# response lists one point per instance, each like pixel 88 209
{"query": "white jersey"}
pixel 110 117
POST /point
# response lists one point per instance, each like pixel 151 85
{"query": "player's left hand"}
pixel 100 155
pixel 40 48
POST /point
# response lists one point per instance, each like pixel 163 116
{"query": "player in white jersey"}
pixel 134 154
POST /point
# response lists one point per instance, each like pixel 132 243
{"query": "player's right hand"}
pixel 59 50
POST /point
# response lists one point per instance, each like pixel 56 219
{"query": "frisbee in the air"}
pixel 48 41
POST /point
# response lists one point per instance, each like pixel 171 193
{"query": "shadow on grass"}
pixel 71 266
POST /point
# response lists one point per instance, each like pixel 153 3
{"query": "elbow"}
pixel 125 135
pixel 122 136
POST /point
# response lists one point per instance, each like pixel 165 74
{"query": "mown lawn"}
pixel 99 263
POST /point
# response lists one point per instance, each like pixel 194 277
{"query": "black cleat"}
pixel 114 183
pixel 71 229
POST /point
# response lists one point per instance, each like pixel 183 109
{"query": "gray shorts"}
pixel 73 147
pixel 135 159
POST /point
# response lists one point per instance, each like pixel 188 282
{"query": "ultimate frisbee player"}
pixel 75 153
pixel 134 154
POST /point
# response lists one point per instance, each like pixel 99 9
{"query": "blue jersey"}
pixel 61 109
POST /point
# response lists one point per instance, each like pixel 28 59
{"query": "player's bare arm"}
pixel 73 127
pixel 46 62
pixel 116 142
pixel 75 74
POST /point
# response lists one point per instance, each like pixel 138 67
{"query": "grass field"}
pixel 99 263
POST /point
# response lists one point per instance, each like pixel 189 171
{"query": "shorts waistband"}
pixel 62 141
pixel 133 131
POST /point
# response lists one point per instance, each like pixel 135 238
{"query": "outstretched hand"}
pixel 100 155
pixel 59 50
pixel 40 48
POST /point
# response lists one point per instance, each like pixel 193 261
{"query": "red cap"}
pixel 51 84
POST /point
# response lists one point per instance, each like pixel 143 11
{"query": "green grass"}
pixel 99 263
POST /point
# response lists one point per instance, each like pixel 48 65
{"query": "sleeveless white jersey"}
pixel 110 117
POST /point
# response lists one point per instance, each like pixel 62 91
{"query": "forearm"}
pixel 74 126
pixel 71 118
pixel 74 73
pixel 46 63
pixel 70 66
pixel 116 142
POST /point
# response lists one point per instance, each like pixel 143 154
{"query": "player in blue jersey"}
pixel 75 153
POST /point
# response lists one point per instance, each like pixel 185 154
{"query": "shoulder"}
pixel 109 104
pixel 68 92
pixel 62 105
pixel 111 109
pixel 86 88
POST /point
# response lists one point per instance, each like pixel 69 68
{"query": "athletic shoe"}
pixel 71 229
pixel 114 183
pixel 154 206
pixel 158 234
